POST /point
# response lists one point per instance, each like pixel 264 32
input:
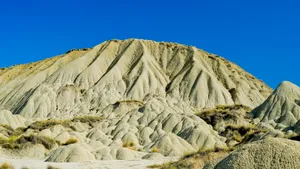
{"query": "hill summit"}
pixel 88 80
pixel 124 99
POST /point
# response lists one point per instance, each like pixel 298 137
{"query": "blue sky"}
pixel 260 36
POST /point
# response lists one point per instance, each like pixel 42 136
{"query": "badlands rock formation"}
pixel 275 153
pixel 85 81
pixel 282 108
pixel 122 100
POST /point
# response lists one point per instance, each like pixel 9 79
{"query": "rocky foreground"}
pixel 146 101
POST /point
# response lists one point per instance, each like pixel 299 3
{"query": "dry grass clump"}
pixel 129 145
pixel 41 125
pixel 227 108
pixel 10 142
pixel 45 124
pixel 81 49
pixel 8 131
pixel 17 142
pixel 6 166
pixel 138 102
pixel 71 141
pixel 52 167
pixel 48 143
pixel 241 133
pixel 88 119
pixel 194 160
pixel 155 150
pixel 226 115
pixel 233 122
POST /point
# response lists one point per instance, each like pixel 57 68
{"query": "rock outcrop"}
pixel 142 96
pixel 282 108
pixel 275 153
pixel 83 81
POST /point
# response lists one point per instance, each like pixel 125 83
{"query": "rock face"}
pixel 146 92
pixel 71 153
pixel 7 118
pixel 282 107
pixel 275 153
pixel 83 81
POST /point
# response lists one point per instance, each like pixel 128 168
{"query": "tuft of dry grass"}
pixel 194 160
pixel 242 133
pixel 17 142
pixel 88 119
pixel 233 122
pixel 140 103
pixel 155 150
pixel 6 166
pixel 129 145
pixel 52 167
pixel 41 125
pixel 71 141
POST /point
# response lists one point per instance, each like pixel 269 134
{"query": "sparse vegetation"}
pixel 233 122
pixel 41 125
pixel 88 119
pixel 155 150
pixel 6 166
pixel 8 131
pixel 241 133
pixel 194 160
pixel 17 142
pixel 130 101
pixel 129 145
pixel 45 124
pixel 82 49
pixel 71 141
pixel 227 115
pixel 52 167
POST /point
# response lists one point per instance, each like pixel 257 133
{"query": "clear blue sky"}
pixel 260 36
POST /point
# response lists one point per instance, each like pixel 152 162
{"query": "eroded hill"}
pixel 143 94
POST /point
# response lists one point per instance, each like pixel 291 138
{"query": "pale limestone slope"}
pixel 123 70
pixel 282 106
pixel 275 153
pixel 147 93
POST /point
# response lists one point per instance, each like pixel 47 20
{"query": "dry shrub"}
pixel 48 143
pixel 41 125
pixel 71 141
pixel 16 142
pixel 155 150
pixel 88 119
pixel 52 167
pixel 129 145
pixel 6 166
pixel 194 161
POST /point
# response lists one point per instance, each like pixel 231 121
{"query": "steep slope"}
pixel 282 106
pixel 85 80
pixel 123 96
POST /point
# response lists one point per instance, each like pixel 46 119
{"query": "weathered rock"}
pixel 275 153
pixel 71 153
pixel 281 107
pixel 153 156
